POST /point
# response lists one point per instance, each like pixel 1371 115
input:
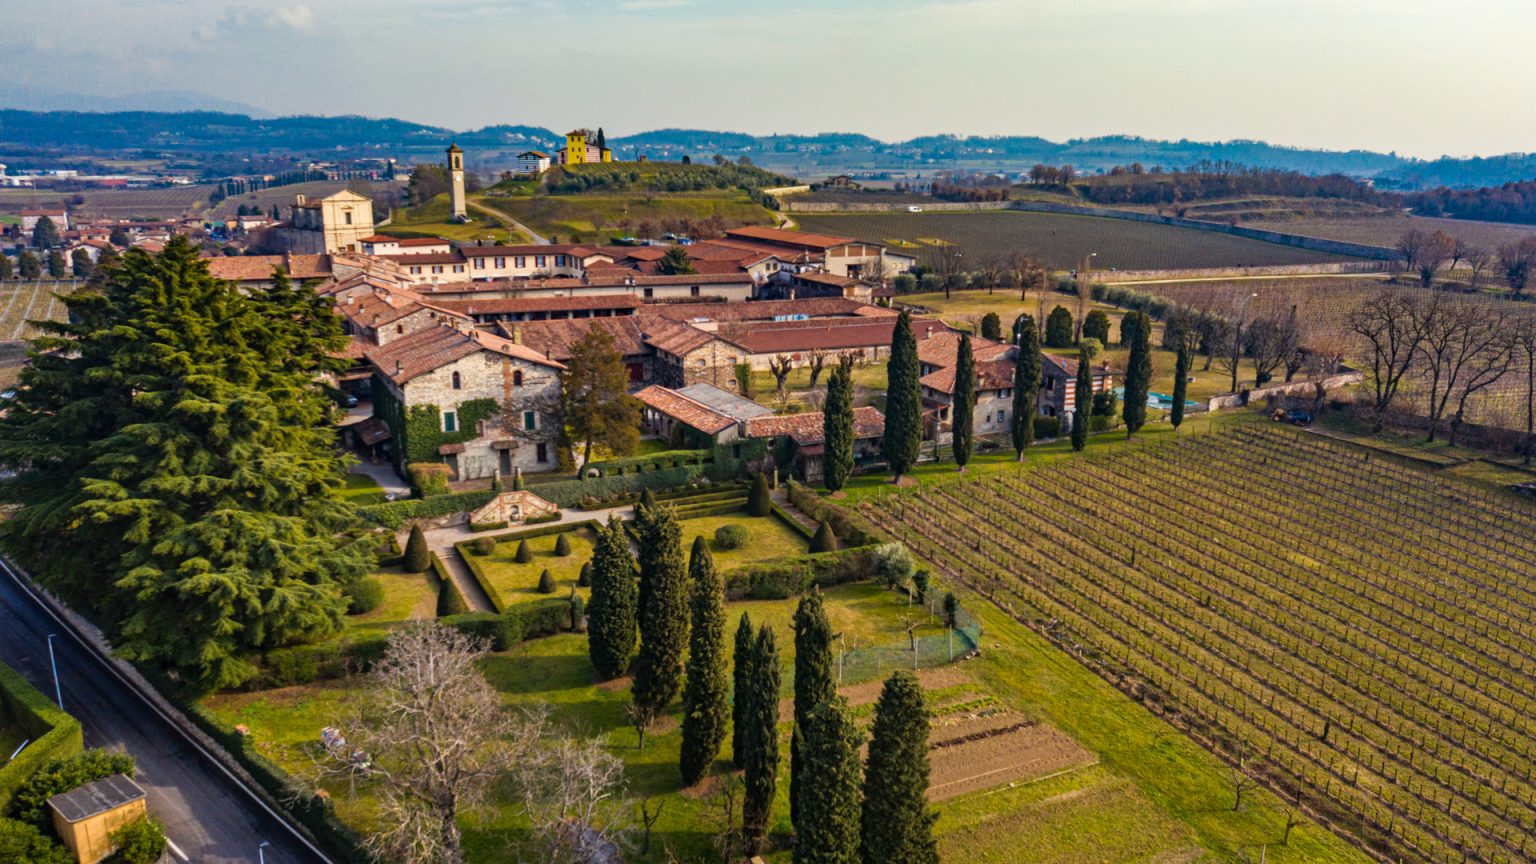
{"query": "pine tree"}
pixel 611 613
pixel 897 824
pixel 903 402
pixel 741 689
pixel 1082 411
pixel 837 423
pixel 1026 385
pixel 1180 382
pixel 827 827
pixel 704 693
pixel 962 408
pixel 418 558
pixel 824 540
pixel 760 750
pixel 1138 375
pixel 675 262
pixel 815 682
pixel 45 233
pixel 663 614
pixel 759 503
pixel 80 263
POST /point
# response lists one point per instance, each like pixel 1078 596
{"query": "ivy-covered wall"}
pixel 418 432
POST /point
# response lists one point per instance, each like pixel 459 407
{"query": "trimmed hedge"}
pixel 688 495
pixel 519 623
pixel 466 553
pixel 786 577
pixel 303 664
pixel 395 513
pixel 450 601
pixel 55 735
pixel 430 479
pixel 651 462
pixel 852 531
pixel 712 508
pixel 570 493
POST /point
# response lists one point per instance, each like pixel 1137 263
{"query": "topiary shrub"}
pixel 731 536
pixel 524 552
pixel 578 614
pixel 758 502
pixel 562 545
pixel 584 579
pixel 417 556
pixel 825 540
pixel 30 804
pixel 141 841
pixel 482 546
pixel 546 582
pixel 365 595
pixel 429 478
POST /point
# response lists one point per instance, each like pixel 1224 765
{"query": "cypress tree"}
pixel 612 611
pixel 815 683
pixel 760 753
pixel 1026 384
pixel 663 615
pixel 758 501
pixel 827 827
pixel 1082 409
pixel 418 558
pixel 741 689
pixel 991 327
pixel 1180 382
pixel 837 423
pixel 903 402
pixel 962 409
pixel 897 824
pixel 704 693
pixel 1138 375
pixel 824 540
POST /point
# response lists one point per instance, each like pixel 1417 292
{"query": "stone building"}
pixel 335 223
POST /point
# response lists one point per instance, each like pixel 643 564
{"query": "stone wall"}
pixel 513 508
pixel 1131 277
pixel 489 375
pixel 1294 388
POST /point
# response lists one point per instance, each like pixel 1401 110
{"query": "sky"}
pixel 1417 77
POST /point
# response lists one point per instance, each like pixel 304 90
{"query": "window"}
pixel 521 261
pixel 479 263
pixel 399 328
pixel 437 268
pixel 693 291
pixel 450 421
pixel 1050 384
pixel 517 377
pixel 348 216
pixel 530 421
pixel 458 268
pixel 501 263
pixel 457 383
pixel 416 270
pixel 650 292
pixel 538 260
pixel 541 453
pixel 1005 393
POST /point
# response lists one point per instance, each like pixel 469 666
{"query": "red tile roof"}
pixel 782 237
pixel 823 335
pixel 766 310
pixel 684 410
pixel 1068 366
pixel 675 337
pixel 623 303
pixel 258 268
pixel 941 348
pixel 557 339
pixel 990 375
pixel 435 347
pixel 807 429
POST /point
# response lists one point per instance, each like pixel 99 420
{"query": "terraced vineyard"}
pixel 1359 635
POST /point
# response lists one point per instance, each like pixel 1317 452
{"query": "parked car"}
pixel 914 209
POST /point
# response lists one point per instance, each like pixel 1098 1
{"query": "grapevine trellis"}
pixel 1362 632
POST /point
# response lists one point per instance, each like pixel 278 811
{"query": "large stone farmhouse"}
pixel 995 364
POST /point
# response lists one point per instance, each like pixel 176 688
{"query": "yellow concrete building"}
pixel 583 146
pixel 325 226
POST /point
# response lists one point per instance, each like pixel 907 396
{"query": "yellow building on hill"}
pixel 583 146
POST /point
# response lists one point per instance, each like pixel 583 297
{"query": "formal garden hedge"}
pixel 850 530
pixel 450 600
pixel 393 515
pixel 54 734
pixel 471 560
pixel 786 577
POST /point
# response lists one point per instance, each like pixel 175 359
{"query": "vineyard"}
pixel 1358 635
pixel 168 203
pixel 1062 240
pixel 21 302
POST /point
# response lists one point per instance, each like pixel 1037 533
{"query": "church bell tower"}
pixel 456 183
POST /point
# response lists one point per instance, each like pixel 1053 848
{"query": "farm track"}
pixel 1367 640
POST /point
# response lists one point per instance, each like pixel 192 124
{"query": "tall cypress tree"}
pixel 741 689
pixel 1180 381
pixel 815 683
pixel 962 409
pixel 903 402
pixel 1138 375
pixel 837 421
pixel 897 824
pixel 611 612
pixel 663 615
pixel 1026 384
pixel 761 751
pixel 827 829
pixel 704 692
pixel 1082 410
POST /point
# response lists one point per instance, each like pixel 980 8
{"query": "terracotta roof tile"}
pixel 990 375
pixel 780 236
pixel 435 347
pixel 557 338
pixel 806 429
pixel 685 410
pixel 823 334
pixel 258 268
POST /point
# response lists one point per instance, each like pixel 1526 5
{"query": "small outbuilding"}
pixel 86 816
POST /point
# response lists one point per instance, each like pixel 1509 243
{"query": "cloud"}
pixel 296 17
pixel 648 5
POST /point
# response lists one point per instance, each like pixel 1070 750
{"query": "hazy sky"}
pixel 1421 77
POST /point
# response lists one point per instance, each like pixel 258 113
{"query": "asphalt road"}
pixel 207 815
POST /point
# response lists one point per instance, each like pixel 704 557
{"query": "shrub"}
pixel 584 578
pixel 787 577
pixel 951 608
pixel 22 843
pixel 500 632
pixel 61 775
pixel 1047 427
pixel 546 582
pixel 562 545
pixel 524 552
pixel 892 563
pixel 578 614
pixel 482 545
pixel 429 478
pixel 487 526
pixel 449 600
pixel 825 540
pixel 1058 328
pixel 758 502
pixel 920 585
pixel 417 555
pixel 141 841
pixel 365 595
pixel 731 536
pixel 1096 326
pixel 394 514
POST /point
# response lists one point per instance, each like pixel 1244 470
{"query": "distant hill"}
pixel 154 100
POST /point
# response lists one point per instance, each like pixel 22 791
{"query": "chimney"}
pixel 517 335
pixel 399 367
pixel 299 200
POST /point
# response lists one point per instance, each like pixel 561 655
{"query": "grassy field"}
pixel 1062 240
pixel 167 203
pixel 362 490
pixel 431 220
pixel 596 218
pixel 1263 620
pixel 407 597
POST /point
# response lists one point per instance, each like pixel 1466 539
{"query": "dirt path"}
pixel 511 223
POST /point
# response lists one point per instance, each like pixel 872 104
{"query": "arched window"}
pixel 456 382
pixel 517 377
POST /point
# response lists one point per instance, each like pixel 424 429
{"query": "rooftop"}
pixel 725 401
pixel 806 428
pixel 782 237
pixel 95 798
pixel 685 410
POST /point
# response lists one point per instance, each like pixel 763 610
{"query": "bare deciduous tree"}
pixel 1479 259
pixel 1524 338
pixel 1465 349
pixel 818 359
pixel 1392 326
pixel 1025 272
pixel 780 366
pixel 1516 262
pixel 572 793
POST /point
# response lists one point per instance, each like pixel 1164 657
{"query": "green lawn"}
pixel 407 597
pixel 431 220
pixel 362 490
pixel 596 218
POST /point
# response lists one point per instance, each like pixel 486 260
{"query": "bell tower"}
pixel 456 183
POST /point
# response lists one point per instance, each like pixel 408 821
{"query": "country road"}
pixel 207 816
pixel 515 225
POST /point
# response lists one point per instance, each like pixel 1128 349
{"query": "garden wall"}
pixel 1294 388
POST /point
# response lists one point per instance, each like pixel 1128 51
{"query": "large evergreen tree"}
pixel 611 613
pixel 663 614
pixel 594 397
pixel 992 327
pixel 1026 384
pixel 741 689
pixel 760 747
pixel 57 267
pixel 1138 375
pixel 903 401
pixel 45 233
pixel 5 266
pixel 962 408
pixel 28 266
pixel 1082 399
pixel 815 683
pixel 827 825
pixel 704 693
pixel 897 824
pixel 80 263
pixel 176 465
pixel 1058 328
pixel 837 421
pixel 1180 382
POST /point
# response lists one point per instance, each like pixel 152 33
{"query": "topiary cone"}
pixel 546 583
pixel 524 553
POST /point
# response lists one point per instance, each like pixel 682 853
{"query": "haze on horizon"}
pixel 1412 76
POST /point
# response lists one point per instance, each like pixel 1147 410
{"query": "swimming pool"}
pixel 1160 401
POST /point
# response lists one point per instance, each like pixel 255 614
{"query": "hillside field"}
pixel 1062 240
pixel 595 218
pixel 1354 633
pixel 1385 230
pixel 167 203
